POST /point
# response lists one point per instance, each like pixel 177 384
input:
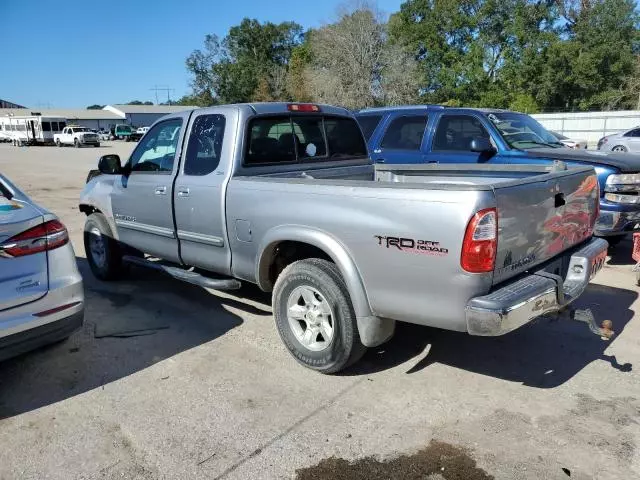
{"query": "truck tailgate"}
pixel 539 220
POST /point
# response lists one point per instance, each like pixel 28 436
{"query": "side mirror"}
pixel 481 145
pixel 110 165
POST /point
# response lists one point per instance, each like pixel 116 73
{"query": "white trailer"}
pixel 31 129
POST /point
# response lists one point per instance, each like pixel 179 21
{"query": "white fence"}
pixel 589 126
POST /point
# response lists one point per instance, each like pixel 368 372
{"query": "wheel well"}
pixel 280 255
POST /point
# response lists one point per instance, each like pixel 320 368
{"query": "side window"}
pixel 271 140
pixel 46 126
pixel 368 124
pixel 633 133
pixel 455 132
pixel 205 145
pixel 157 150
pixel 344 138
pixel 405 133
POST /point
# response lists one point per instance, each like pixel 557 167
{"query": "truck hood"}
pixel 625 162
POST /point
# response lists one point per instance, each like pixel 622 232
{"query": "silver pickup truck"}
pixel 285 196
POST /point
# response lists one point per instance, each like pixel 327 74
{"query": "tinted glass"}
pixel 405 133
pixel 633 133
pixel 309 137
pixel 61 125
pixel 344 138
pixel 46 126
pixel 455 132
pixel 205 145
pixel 157 150
pixel 368 124
pixel 270 141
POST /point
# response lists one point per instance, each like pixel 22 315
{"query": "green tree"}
pixel 95 107
pixel 231 69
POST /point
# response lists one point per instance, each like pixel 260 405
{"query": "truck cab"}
pixel 437 134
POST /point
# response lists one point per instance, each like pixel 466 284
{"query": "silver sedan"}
pixel 41 292
pixel 628 141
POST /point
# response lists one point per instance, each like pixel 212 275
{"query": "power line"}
pixel 163 88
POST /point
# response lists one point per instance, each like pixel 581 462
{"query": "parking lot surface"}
pixel 210 392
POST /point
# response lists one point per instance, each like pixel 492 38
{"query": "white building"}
pixel 590 126
pixel 97 119
pixel 144 115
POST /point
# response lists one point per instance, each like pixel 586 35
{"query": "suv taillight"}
pixel 480 242
pixel 47 236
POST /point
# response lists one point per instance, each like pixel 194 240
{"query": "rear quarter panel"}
pixel 381 228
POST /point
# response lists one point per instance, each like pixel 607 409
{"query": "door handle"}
pixel 161 190
pixel 183 192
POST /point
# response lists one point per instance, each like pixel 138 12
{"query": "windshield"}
pixel 522 132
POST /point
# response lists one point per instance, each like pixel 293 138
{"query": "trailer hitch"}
pixel 604 331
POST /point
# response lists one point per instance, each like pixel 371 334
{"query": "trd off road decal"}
pixel 410 245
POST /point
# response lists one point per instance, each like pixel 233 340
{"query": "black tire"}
pixel 619 148
pixel 110 267
pixel 345 347
pixel 613 241
pixel 58 144
pixel 76 143
pixel 97 145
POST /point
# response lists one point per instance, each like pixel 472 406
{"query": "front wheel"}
pixel 619 148
pixel 97 145
pixel 104 254
pixel 76 143
pixel 314 316
pixel 58 144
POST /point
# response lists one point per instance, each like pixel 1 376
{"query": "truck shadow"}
pixel 543 354
pixel 147 319
pixel 621 253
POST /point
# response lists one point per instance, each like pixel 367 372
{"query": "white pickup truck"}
pixel 76 136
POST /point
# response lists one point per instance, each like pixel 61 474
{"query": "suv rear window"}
pixel 368 124
pixel 295 138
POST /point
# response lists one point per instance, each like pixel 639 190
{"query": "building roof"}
pixel 8 104
pixel 69 114
pixel 156 109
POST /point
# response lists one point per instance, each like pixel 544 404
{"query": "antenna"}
pixel 163 88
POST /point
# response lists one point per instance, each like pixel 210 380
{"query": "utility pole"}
pixel 163 88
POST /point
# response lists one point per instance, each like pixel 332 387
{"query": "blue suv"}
pixel 437 134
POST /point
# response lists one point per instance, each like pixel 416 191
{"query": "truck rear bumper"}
pixel 535 294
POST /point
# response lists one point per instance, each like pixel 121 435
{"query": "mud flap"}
pixel 375 331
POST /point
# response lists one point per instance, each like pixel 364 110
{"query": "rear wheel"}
pixel 103 251
pixel 58 144
pixel 619 148
pixel 314 316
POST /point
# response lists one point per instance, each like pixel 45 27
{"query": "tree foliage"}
pixel 95 107
pixel 528 55
pixel 252 55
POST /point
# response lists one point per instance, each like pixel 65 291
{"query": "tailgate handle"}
pixel 559 200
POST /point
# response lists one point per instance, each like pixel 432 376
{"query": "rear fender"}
pixel 373 330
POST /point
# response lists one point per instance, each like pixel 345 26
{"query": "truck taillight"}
pixel 303 107
pixel 480 242
pixel 47 236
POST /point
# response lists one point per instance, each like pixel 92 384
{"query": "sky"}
pixel 71 54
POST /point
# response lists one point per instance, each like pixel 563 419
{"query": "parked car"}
pixel 569 142
pixel 623 142
pixel 121 132
pixel 436 134
pixel 104 135
pixel 77 136
pixel 346 248
pixel 41 293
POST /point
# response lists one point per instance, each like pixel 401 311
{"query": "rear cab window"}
pixel 289 139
